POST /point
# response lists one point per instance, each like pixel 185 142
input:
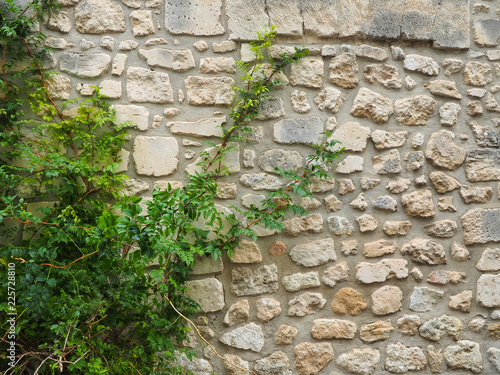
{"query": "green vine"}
pixel 100 276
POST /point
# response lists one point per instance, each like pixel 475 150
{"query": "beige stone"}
pixel 156 156
pixel 386 269
pixel 367 223
pixel 195 18
pixel 398 186
pixel 267 309
pixel 332 203
pixel 306 304
pixel 387 300
pixel 350 164
pixel 213 65
pixel 285 334
pixel 373 106
pixel 230 162
pixel 58 86
pixel 418 203
pixel 232 360
pixel 444 277
pixel 376 331
pixel 408 324
pixel 435 358
pixel 379 248
pixel 329 98
pixel 387 163
pixel 118 64
pixel 476 194
pixel 208 293
pixel 442 182
pixel 301 225
pixel 246 252
pixel 209 90
pixel 383 74
pixel 400 359
pixel 299 281
pixel 443 88
pixel 449 113
pixel 311 358
pixel 248 337
pixel 414 111
pixel 477 73
pixel 142 22
pixel 479 226
pixel 397 228
pixel 461 301
pixel 383 139
pixel 421 64
pixel 308 72
pixel 85 65
pixel 299 101
pixel 237 313
pixel 490 260
pixel 425 251
pixel 344 71
pixel 336 274
pixel 144 85
pixel 205 127
pixel 442 228
pixel 333 329
pixel 348 301
pixel 178 60
pixel 361 361
pixel 99 17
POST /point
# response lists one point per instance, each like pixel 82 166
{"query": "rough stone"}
pixel 400 359
pixel 459 252
pixel 491 103
pixel 271 108
pixel 418 203
pixel 179 60
pixel 195 18
pixel 484 135
pixel 285 335
pixel 482 165
pixel 299 102
pixel 276 364
pixel 230 161
pixel 367 223
pixel 301 225
pixel 414 111
pixel 376 331
pixel 85 65
pixel 243 18
pixel 144 85
pixel 386 269
pixel 209 90
pixel 383 74
pixel 340 225
pixel 443 152
pixel 205 127
pixel 379 248
pixel 477 73
pixel 488 291
pixel 369 183
pixel 333 329
pixel 268 308
pixel 261 181
pixel 474 108
pixel 464 355
pixel 306 304
pixel 344 71
pixel 489 261
pixel 350 164
pixel 385 203
pixel 58 86
pixel 442 229
pixel 388 299
pixel 321 185
pixel 349 247
pixel 448 114
pixel 373 106
pixel 246 252
pixel 360 361
pixel 336 274
pixel 348 301
pixel 237 313
pixel 443 88
pixel 315 253
pixel 424 299
pixel 452 66
pixel 299 281
pixel 421 64
pixel 99 17
pixel 142 22
pixel 346 186
pixel 480 225
pixel 208 293
pixel 353 137
pixel 446 277
pixel 493 330
pixel 408 324
pixel 332 203
pixel 359 202
pixel 308 72
pixel 476 194
pixel 410 83
pixel 248 337
pixel 156 156
pixel 195 366
pixel 397 228
pixel 282 159
pixel 414 160
pixel 238 361
pixel 425 251
pixel 435 358
pixel 398 186
pixel 301 131
pixel 250 282
pixel 309 204
pixel 278 248
pixel 442 182
pixel 461 301
pixel 476 324
pixel 384 140
pixel 311 358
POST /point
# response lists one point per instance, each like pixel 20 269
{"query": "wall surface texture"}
pixel 395 269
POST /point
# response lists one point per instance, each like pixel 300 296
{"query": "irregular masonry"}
pixel 403 242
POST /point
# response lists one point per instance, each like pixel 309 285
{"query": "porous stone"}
pixel 452 66
pixel 99 17
pixel 424 299
pixel 443 152
pixel 340 225
pixel 299 281
pixel 249 158
pixel 230 163
pixel 435 358
pixel 353 137
pixel 333 329
pixel 145 85
pixel 386 269
pixel 383 74
pixel 384 140
pixel 336 274
pixel 85 65
pixel 285 335
pixel 194 18
pixel 261 181
pixel 348 301
pixel 248 337
pixel 388 299
pixel 134 187
pixel 493 330
pixel 233 360
pixel 156 156
pixel 418 203
pixel 410 83
pixel 209 90
pixel 59 21
pixel 459 252
pixel 494 357
pixel 224 46
pixel 282 159
pixel 369 183
pixel 476 324
pixel 308 72
pixel 446 204
pixel 271 108
pixel 367 223
pixel 332 203
pixel 321 185
pixel 474 108
pixel 243 18
pixel 385 203
pixel 376 331
pixel 350 164
pixel 306 224
pixel 208 293
pixel 311 358
pixel 443 88
pixel 195 366
pixel 397 228
pixel 408 324
pixel 421 64
pixel 491 104
pixel 414 111
pixel 490 260
pixel 424 251
pixel 464 355
pixel 480 225
pixel 400 359
pixel 442 228
pixel 346 186
pixel 268 308
pixel 315 253
pixel 299 101
pixel 477 73
pixel 444 277
pixel 142 22
pixel 379 248
pixel 205 127
pixel 476 194
pixel 58 86
pixel 360 361
pixel 179 60
pixel 359 202
pixel 488 291
pixel 306 304
pixel 461 301
pixel 448 114
pixel 302 131
pixel 276 364
pixel 442 182
pixel 373 106
pixel 344 71
pixel 309 204
pixel 237 313
pixel 118 64
pixel 246 252
pixel 250 282
pixel 398 186
pixel 414 160
pixel 485 136
pixel 482 165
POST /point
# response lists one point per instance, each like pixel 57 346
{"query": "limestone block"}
pixel 248 337
pixel 336 274
pixel 424 251
pixel 311 358
pixel 464 355
pixel 205 127
pixel 111 88
pixel 482 165
pixel 344 71
pixel 386 269
pixel 277 363
pixel 58 86
pixel 299 281
pixel 142 22
pixel 442 228
pixel 421 64
pixel 376 331
pixel 278 158
pixel 373 106
pixel 485 136
pixel 340 225
pixel 360 361
pixel 348 301
pixel 237 313
pixel 85 65
pixel 137 115
pixel 350 164
pixel 400 359
pixel 452 66
pixel 261 181
pixel 212 65
pixel 490 260
pixel 353 137
pixel 385 203
pixel 383 74
pixel 285 334
pixel 299 102
pixel 387 300
pixel 333 329
pixel 384 140
pixel 486 32
pixel 397 228
pixel 238 361
pixel 134 186
pixel 250 282
pixel 461 301
pixel 449 113
pixel 246 252
pixel 60 21
pixel 145 85
pixel 156 156
pixel 481 225
pixel 330 98
pixel 179 60
pixel 208 293
pixel 198 17
pixel 244 17
pixel 209 90
pixel 306 304
pixel 477 73
pixel 308 72
pixel 414 111
pixel 476 194
pixel 367 223
pixel 287 23
pixel 408 324
pixel 99 17
pixel 230 162
pixel 387 163
pixel 424 299
pixel 443 277
pixel 192 365
pixel 379 248
pixel 267 309
pixel 118 64
pixel 314 253
pixel 298 131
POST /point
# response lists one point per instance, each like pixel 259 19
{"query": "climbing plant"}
pixel 93 280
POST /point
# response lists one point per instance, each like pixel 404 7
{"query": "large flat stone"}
pixel 302 131
pixel 179 60
pixel 147 86
pixel 99 17
pixel 196 17
pixel 156 156
pixel 248 281
pixel 85 65
pixel 209 90
pixel 244 17
pixel 481 225
pixel 482 165
pixel 208 293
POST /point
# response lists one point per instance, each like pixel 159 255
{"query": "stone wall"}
pixel 395 269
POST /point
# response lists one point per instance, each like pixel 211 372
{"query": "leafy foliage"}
pixel 100 276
